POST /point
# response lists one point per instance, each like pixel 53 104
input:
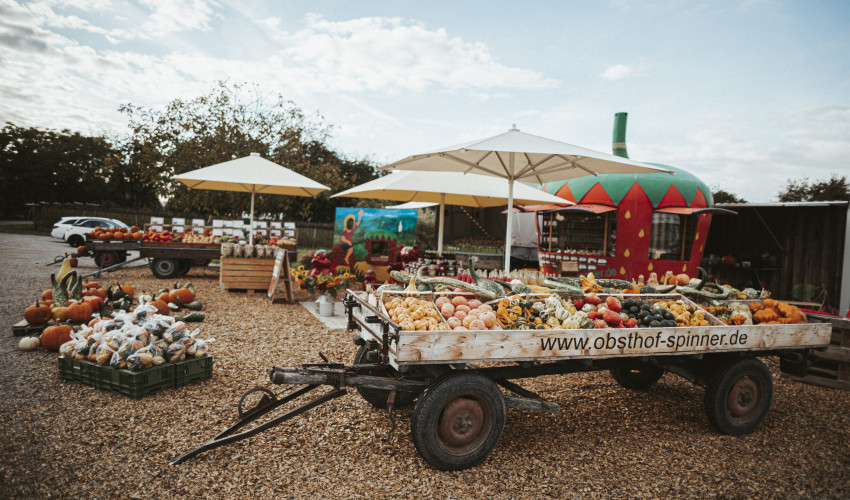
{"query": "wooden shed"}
pixel 798 251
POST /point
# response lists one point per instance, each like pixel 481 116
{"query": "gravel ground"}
pixel 64 440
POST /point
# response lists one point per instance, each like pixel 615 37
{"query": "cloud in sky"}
pixel 397 80
pixel 617 72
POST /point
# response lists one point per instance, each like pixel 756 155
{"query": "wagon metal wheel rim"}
pixel 745 398
pixel 107 259
pixel 463 424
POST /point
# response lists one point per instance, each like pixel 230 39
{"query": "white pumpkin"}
pixel 562 314
pixel 29 343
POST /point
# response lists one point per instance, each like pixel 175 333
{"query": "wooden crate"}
pixel 830 368
pixel 251 274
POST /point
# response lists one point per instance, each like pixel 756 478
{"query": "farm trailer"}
pixel 456 378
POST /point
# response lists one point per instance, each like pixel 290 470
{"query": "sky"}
pixel 743 94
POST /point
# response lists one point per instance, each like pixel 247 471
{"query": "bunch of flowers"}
pixel 322 284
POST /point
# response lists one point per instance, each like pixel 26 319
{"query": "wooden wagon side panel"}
pixel 540 345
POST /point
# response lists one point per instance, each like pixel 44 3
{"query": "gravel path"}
pixel 64 440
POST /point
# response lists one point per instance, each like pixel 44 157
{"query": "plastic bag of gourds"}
pixel 136 341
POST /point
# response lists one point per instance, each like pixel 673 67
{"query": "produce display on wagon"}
pixel 72 309
pixel 584 302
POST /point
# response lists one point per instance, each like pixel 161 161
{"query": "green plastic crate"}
pixel 132 384
pixel 192 370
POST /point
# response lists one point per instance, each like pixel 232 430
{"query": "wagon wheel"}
pixel 377 397
pixel 266 397
pixel 165 268
pixel 738 396
pixel 105 259
pixel 185 266
pixel 639 379
pixel 458 421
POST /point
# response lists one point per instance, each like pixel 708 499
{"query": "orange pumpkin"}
pixel 134 229
pixel 161 307
pixel 118 235
pixel 37 314
pixel 104 236
pixel 80 312
pixel 54 336
pixel 181 296
pixel 47 295
pixel 127 289
pixel 81 249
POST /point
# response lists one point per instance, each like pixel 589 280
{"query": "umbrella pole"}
pixel 510 227
pixel 442 223
pixel 251 229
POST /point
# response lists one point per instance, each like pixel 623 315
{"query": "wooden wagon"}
pixel 456 378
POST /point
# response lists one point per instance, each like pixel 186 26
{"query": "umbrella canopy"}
pixel 448 188
pixel 251 174
pixel 515 155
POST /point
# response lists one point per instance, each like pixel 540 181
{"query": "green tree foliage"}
pixel 50 166
pixel 723 196
pixel 230 122
pixel 836 188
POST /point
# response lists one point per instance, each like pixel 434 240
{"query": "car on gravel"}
pixel 76 234
pixel 63 225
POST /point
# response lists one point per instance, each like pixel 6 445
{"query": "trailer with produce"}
pixel 458 358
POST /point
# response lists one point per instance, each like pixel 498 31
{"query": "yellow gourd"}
pixel 65 269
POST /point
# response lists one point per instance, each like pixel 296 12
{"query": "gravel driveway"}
pixel 64 440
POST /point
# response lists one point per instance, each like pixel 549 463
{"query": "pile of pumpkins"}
pixel 115 233
pixel 71 303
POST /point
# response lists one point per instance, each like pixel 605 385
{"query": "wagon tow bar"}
pixel 311 376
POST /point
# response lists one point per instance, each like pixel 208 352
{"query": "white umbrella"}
pixel 449 188
pixel 251 174
pixel 517 156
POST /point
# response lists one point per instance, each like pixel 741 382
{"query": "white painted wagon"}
pixel 455 376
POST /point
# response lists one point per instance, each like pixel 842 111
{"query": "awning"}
pixel 689 211
pixel 584 207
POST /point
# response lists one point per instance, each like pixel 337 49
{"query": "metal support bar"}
pixel 114 266
pixel 227 436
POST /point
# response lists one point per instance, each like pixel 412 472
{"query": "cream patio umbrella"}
pixel 449 188
pixel 251 174
pixel 517 156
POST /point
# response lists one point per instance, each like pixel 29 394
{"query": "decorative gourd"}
pixel 79 312
pixel 60 293
pixel 60 313
pixel 65 269
pixel 161 307
pixel 29 343
pixel 181 296
pixel 54 336
pixel 194 305
pixel 37 314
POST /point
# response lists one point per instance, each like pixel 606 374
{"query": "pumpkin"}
pixel 104 236
pixel 37 314
pixel 728 260
pixel 29 343
pixel 161 307
pixel 47 295
pixel 137 236
pixel 127 289
pixel 134 229
pixel 164 296
pixel 80 312
pixel 99 292
pixel 94 302
pixel 118 235
pixel 184 296
pixel 72 261
pixel 683 279
pixel 54 336
pixel 60 313
pixel 92 284
pixel 81 249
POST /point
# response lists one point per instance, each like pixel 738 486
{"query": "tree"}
pixel 836 188
pixel 723 196
pixel 226 124
pixel 50 166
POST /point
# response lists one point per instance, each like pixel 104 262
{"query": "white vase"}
pixel 325 305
